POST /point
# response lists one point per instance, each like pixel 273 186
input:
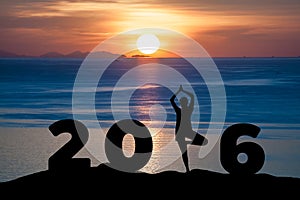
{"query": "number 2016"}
pixel 229 149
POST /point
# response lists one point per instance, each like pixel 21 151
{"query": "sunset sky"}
pixel 224 28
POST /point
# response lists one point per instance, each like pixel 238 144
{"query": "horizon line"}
pixel 84 54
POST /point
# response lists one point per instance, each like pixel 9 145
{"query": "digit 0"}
pixel 143 145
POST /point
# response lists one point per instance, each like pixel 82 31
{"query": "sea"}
pixel 37 92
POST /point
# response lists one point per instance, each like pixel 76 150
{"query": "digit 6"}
pixel 229 150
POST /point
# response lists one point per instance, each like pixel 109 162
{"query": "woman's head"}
pixel 183 102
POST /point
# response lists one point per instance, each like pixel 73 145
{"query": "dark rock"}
pixel 103 180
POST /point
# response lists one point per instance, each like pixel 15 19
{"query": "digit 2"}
pixel 63 158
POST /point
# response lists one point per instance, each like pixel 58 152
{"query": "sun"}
pixel 148 43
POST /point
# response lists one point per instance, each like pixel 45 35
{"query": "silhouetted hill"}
pixel 105 180
pixel 75 54
pixel 6 54
pixel 140 56
pixel 52 55
pixel 104 54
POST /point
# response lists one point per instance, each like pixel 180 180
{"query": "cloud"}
pixel 38 25
pixel 270 6
pixel 249 41
pixel 86 23
pixel 236 32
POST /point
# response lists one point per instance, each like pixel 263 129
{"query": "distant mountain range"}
pixel 75 54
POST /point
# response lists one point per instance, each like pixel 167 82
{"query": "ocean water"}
pixel 37 92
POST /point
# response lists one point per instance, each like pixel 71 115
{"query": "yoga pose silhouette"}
pixel 184 128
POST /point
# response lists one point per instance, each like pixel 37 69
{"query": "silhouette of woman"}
pixel 183 125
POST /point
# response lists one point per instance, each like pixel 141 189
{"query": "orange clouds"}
pixel 224 28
